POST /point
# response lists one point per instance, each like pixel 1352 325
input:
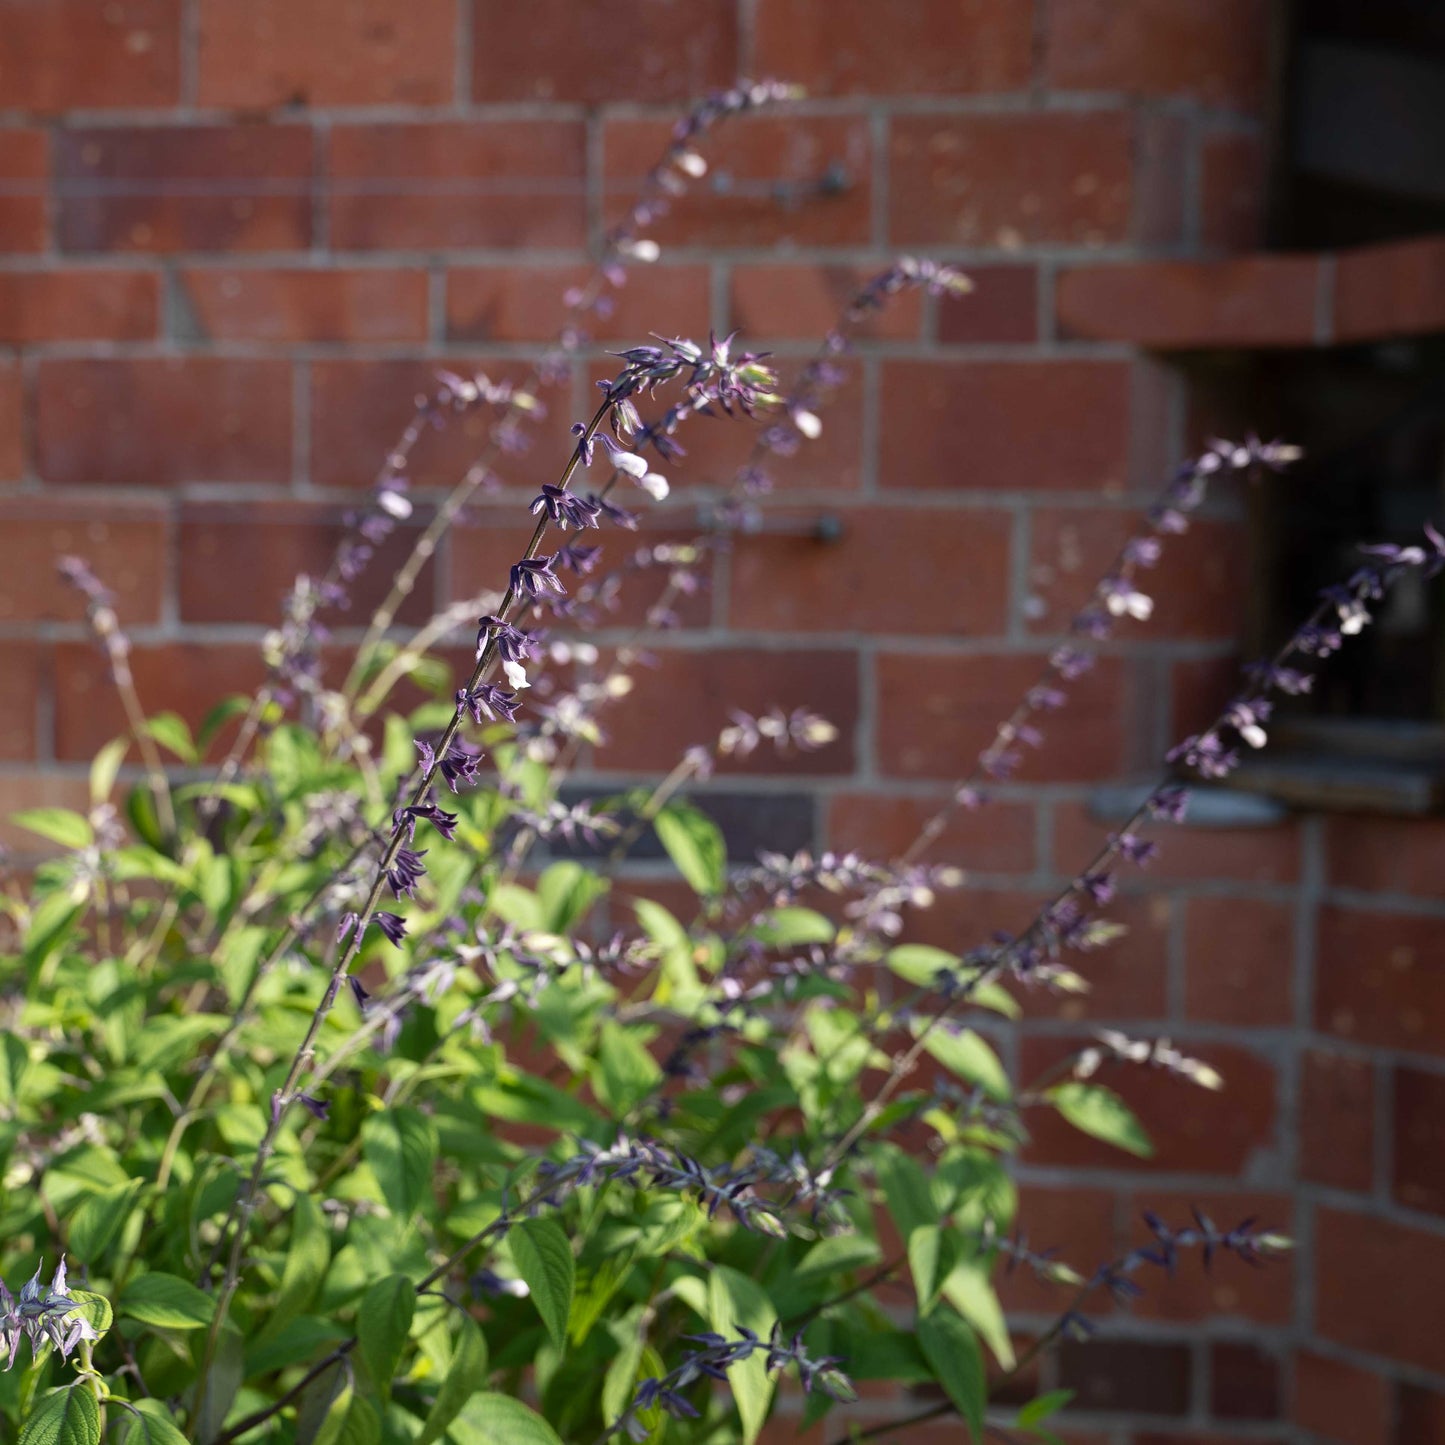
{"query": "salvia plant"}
pixel 341 1102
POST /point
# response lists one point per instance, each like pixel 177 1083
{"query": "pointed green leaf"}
pixel 167 1301
pixel 59 825
pixel 735 1300
pixel 152 1424
pixel 307 1260
pixel 170 731
pixel 104 768
pixel 65 1417
pixel 1044 1406
pixel 465 1376
pixel 952 1351
pixel 626 1073
pixel 543 1258
pixel 383 1322
pixel 493 1419
pixel 695 845
pixel 970 1058
pixel 1101 1113
pixel 400 1145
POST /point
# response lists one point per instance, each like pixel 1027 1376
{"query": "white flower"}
pixel 516 675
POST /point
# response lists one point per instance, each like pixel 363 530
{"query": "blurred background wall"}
pixel 239 235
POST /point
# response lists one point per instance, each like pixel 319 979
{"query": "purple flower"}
pixel 618 516
pixel 565 508
pixel 392 925
pixel 512 643
pixel 359 991
pixel 405 872
pixel 488 700
pixel 317 1108
pixel 458 764
pixel 445 823
pixel 533 576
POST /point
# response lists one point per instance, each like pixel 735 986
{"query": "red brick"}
pixel 1391 290
pixel 157 422
pixel 687 697
pixel 935 714
pixel 19 700
pixel 1341 1402
pixel 1419 1416
pixel 238 561
pixel 258 53
pixel 359 408
pixel 188 678
pixel 124 542
pixel 1228 1289
pixel 1199 592
pixel 1213 50
pixel 1252 301
pixel 1243 1382
pixel 1232 192
pixel 881 575
pixel 24 171
pixel 665 50
pixel 1386 855
pixel 1192 1129
pixel 1010 180
pixel 998 838
pixel 1002 307
pixel 770 301
pixel 1163 159
pixel 1337 1120
pixel 1033 425
pixel 1079 1224
pixel 513 183
pixel 298 304
pixel 1188 853
pixel 484 547
pixel 524 303
pixel 1195 1437
pixel 1378 1287
pixel 1419 1151
pixel 836 47
pixel 184 188
pixel 1380 979
pixel 81 305
pixel 805 180
pixel 12 425
pixel 1239 962
pixel 1124 1375
pixel 89 54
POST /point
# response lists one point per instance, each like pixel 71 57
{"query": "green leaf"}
pixel 619 1385
pixel 906 1189
pixel 566 891
pixel 970 1292
pixel 59 825
pixel 105 767
pixel 493 1419
pixel 626 1073
pixel 931 1253
pixel 544 1260
pixel 228 1369
pixel 695 845
pixel 920 963
pixel 154 1425
pixel 383 1322
pixel 400 1145
pixel 92 1307
pixel 952 1351
pixel 65 1417
pixel 734 1299
pixel 789 927
pixel 171 732
pixel 1101 1113
pixel 350 1419
pixel 99 1219
pixel 837 1255
pixel 168 1302
pixel 1043 1407
pixel 307 1259
pixel 969 1057
pixel 466 1375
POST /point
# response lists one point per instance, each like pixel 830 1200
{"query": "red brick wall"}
pixel 237 236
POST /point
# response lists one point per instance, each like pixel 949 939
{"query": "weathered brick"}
pixel 996 839
pixel 1010 425
pixel 89 54
pixel 12 424
pixel 1337 1120
pixel 184 188
pixel 24 169
pixel 664 50
pixel 1077 1222
pixel 779 301
pixel 299 304
pixel 1386 855
pixel 457 184
pixel 124 542
pixel 1172 305
pixel 1010 180
pixel 1002 307
pixel 1397 289
pixel 238 561
pixel 1244 1382
pixel 1229 1289
pixel 1214 50
pixel 1340 1402
pixel 1232 192
pixel 1121 1374
pixel 1419 1144
pixel 1419 1415
pixel 188 678
pixel 1380 979
pixel 1191 1128
pixel 1239 962
pixel 79 305
pixel 1199 591
pixel 775 180
pixel 19 700
pixel 161 421
pixel 259 53
pixel 881 575
pixel 359 409
pixel 1378 1286
pixel 525 303
pixel 687 696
